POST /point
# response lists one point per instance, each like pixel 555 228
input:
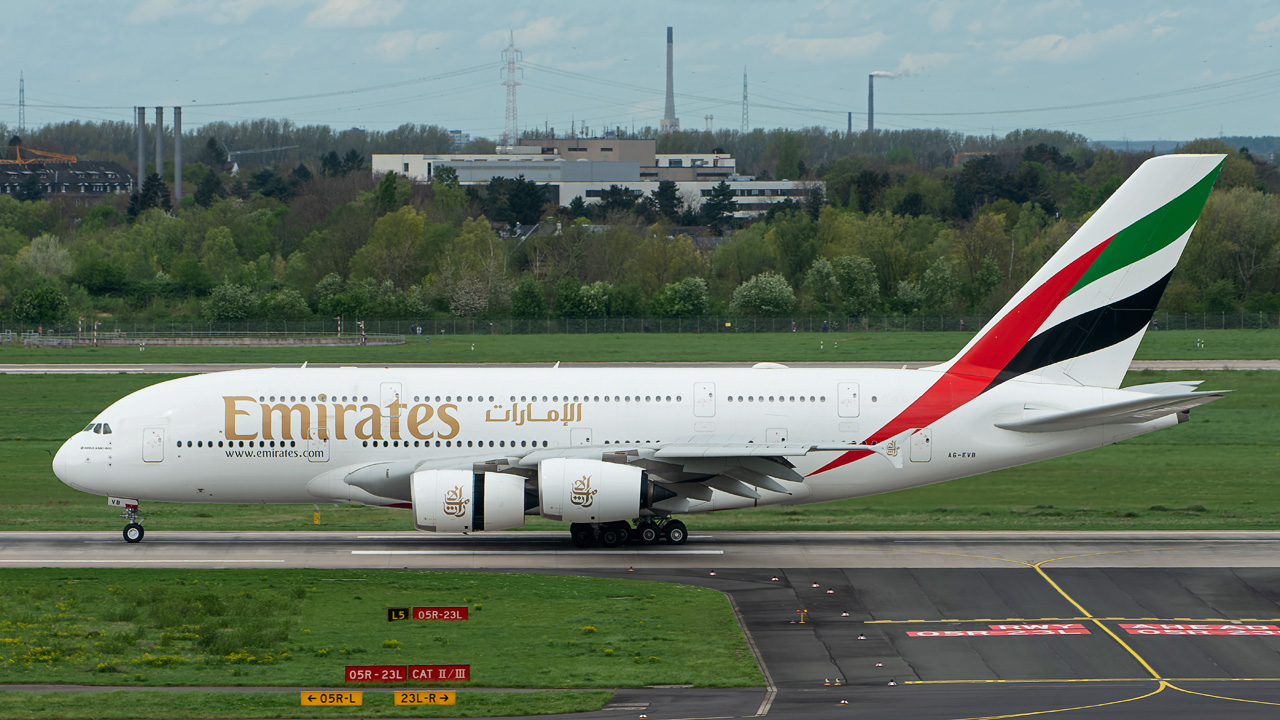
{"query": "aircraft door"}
pixel 153 444
pixel 391 395
pixel 921 445
pixel 847 396
pixel 580 436
pixel 704 399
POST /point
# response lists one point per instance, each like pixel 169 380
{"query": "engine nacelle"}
pixel 462 501
pixel 592 491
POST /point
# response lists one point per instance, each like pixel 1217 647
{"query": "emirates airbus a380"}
pixel 618 453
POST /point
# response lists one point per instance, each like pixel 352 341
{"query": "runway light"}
pixel 861 636
pixel 713 573
pixel 775 579
pixel 844 702
pixel 837 682
pixel 826 681
pixel 879 664
pixel 815 585
pixel 630 568
pixel 830 591
pixel 844 614
pixel 892 681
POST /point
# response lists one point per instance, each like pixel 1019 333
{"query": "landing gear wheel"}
pixel 582 534
pixel 676 532
pixel 133 532
pixel 623 528
pixel 648 533
pixel 610 536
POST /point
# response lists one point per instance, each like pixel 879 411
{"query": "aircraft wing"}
pixel 1138 410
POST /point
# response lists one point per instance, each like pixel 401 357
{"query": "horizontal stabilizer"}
pixel 1138 410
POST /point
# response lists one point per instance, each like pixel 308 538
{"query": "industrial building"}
pixel 586 167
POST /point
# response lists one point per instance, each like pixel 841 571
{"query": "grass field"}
pixel 687 347
pixel 129 704
pixel 301 627
pixel 1215 472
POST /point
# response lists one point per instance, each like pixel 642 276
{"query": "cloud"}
pixel 341 14
pixel 819 49
pixel 1059 48
pixel 1269 25
pixel 400 45
pixel 221 12
pixel 914 64
pixel 940 19
pixel 1160 31
pixel 536 33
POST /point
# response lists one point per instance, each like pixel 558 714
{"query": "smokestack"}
pixel 849 128
pixel 142 148
pixel 177 155
pixel 871 102
pixel 160 141
pixel 669 121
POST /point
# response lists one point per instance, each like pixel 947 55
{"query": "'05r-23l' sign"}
pixel 427 613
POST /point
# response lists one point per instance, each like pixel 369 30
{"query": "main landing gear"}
pixel 133 532
pixel 648 531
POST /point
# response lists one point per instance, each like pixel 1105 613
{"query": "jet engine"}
pixel 463 501
pixel 591 491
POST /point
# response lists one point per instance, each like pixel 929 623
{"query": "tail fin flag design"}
pixel 1080 318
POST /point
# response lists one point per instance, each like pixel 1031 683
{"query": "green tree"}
pixel 30 189
pixel 859 286
pixel 666 200
pixel 939 286
pixel 219 256
pixel 822 290
pixel 766 294
pixel 527 299
pixel 45 256
pixel 718 208
pixel 686 298
pixel 228 303
pixel 661 258
pixel 285 304
pixel 44 304
pixel 154 194
pixel 209 189
pixel 793 237
pixel 393 249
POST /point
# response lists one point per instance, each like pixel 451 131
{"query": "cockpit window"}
pixel 106 429
pixel 88 428
pixel 97 428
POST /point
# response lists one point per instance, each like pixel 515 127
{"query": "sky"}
pixel 1138 69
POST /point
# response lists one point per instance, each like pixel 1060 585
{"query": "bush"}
pixel 228 303
pixel 40 305
pixel 765 294
pixel 687 298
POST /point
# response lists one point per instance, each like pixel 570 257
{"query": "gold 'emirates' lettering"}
pixel 295 421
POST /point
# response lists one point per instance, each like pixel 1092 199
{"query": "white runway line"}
pixel 130 560
pixel 517 553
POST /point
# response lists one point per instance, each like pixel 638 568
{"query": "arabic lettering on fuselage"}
pixel 521 413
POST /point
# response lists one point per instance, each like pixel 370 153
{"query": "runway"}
pixel 965 625
pixel 198 368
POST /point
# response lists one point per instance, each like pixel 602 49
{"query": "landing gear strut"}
pixel 133 532
pixel 647 531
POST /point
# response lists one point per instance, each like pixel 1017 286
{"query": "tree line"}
pixel 889 228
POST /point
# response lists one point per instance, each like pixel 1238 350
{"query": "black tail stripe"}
pixel 1089 332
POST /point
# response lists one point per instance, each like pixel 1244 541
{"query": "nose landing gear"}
pixel 133 532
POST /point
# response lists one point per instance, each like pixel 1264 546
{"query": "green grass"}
pixel 682 347
pixel 301 627
pixel 205 704
pixel 1215 472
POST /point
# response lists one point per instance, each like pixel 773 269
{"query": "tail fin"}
pixel 1079 320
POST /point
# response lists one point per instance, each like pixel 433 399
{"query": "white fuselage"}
pixel 291 435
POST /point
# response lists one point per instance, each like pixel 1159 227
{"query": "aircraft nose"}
pixel 64 464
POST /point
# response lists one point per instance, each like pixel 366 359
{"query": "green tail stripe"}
pixel 1152 232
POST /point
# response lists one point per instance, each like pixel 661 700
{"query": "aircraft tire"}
pixel 625 533
pixel 610 536
pixel 647 533
pixel 133 533
pixel 677 534
pixel 582 535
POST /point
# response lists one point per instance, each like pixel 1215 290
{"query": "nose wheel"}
pixel 133 532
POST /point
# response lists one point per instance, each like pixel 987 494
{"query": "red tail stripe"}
pixel 973 372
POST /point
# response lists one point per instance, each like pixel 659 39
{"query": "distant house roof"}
pixel 85 178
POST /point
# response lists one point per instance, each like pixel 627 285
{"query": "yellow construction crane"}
pixel 35 156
